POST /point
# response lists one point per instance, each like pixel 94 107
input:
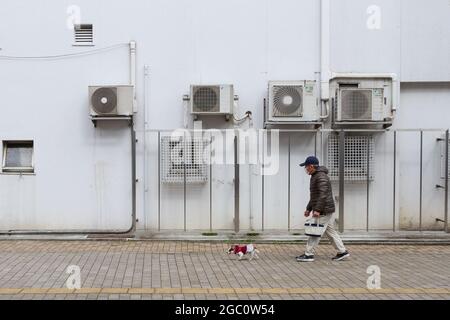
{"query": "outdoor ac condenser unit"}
pixel 293 101
pixel 363 100
pixel 111 101
pixel 212 99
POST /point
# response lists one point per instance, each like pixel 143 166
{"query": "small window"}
pixel 18 156
pixel 84 35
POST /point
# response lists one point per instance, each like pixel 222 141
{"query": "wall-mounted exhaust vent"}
pixel 84 34
pixel 359 149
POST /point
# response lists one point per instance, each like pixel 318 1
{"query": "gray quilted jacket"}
pixel 321 194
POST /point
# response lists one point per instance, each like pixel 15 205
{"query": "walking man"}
pixel 321 205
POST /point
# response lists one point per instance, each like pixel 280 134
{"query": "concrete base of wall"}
pixel 354 237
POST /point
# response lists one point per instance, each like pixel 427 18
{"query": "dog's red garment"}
pixel 238 249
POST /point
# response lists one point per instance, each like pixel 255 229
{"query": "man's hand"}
pixel 307 213
pixel 316 214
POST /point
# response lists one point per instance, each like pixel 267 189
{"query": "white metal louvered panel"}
pixel 176 152
pixel 84 34
pixel 358 150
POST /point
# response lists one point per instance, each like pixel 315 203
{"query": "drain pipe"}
pixel 324 56
pixel 133 72
pixel 144 138
pixel 250 177
pixel 133 172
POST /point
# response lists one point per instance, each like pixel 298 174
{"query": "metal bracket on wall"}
pixel 95 119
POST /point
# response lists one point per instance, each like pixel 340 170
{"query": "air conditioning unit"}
pixel 212 99
pixel 111 101
pixel 362 100
pixel 293 101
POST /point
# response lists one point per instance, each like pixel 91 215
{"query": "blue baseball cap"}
pixel 310 160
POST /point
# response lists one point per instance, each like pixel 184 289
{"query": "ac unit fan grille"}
pixel 104 100
pixel 206 99
pixel 356 105
pixel 287 101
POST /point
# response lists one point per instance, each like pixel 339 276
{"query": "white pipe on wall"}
pixel 145 111
pixel 325 50
pixel 250 180
pixel 133 72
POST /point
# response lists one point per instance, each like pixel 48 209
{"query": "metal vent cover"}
pixel 358 150
pixel 206 99
pixel 84 34
pixel 104 100
pixel 183 159
pixel 356 104
pixel 287 101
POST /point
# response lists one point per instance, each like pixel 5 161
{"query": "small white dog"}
pixel 243 250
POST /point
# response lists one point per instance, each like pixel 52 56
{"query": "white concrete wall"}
pixel 82 178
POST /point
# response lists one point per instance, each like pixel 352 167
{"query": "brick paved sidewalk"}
pixel 193 270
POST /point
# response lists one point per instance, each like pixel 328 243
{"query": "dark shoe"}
pixel 341 256
pixel 305 258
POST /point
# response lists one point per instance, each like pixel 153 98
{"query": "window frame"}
pixel 17 170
